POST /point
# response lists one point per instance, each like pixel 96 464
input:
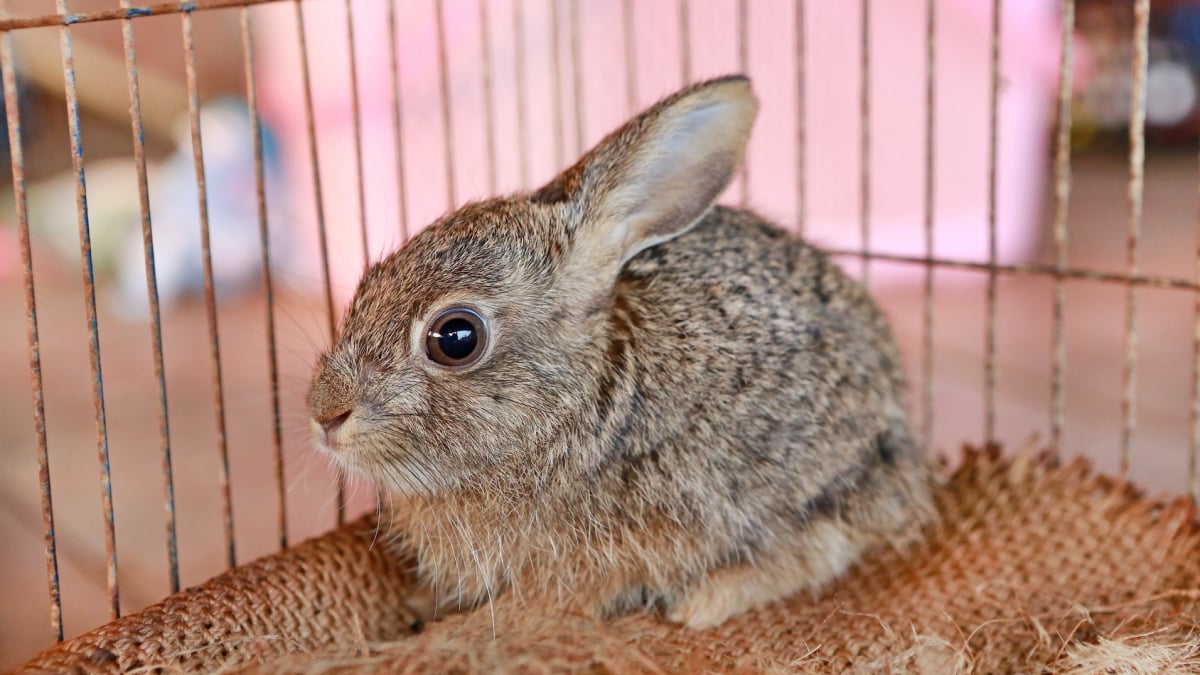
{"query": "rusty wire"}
pixel 64 17
pixel 576 73
pixel 319 201
pixel 89 290
pixel 1031 270
pixel 989 350
pixel 556 87
pixel 1137 161
pixel 1062 198
pixel 139 161
pixel 210 298
pixel 260 193
pixel 447 117
pixel 522 93
pixel 489 106
pixel 12 111
pixel 743 25
pixel 864 138
pixel 930 205
pixel 397 118
pixel 630 36
pixel 801 121
pixel 356 116
pixel 685 43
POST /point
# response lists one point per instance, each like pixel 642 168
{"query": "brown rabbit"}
pixel 614 394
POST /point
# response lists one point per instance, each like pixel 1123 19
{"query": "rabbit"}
pixel 613 394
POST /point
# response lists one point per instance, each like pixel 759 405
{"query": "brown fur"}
pixel 680 406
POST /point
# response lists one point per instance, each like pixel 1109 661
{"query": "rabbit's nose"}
pixel 332 423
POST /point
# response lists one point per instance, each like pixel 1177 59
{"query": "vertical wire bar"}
pixel 139 161
pixel 489 109
pixel 801 121
pixel 685 43
pixel 1194 461
pixel 85 261
pixel 356 114
pixel 1062 198
pixel 989 363
pixel 12 111
pixel 930 206
pixel 1137 157
pixel 557 86
pixel 397 118
pixel 631 97
pixel 864 146
pixel 210 300
pixel 522 89
pixel 447 118
pixel 318 198
pixel 744 67
pixel 577 73
pixel 260 191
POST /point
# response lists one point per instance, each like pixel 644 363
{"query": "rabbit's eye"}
pixel 456 337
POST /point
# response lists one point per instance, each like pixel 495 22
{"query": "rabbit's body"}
pixel 703 417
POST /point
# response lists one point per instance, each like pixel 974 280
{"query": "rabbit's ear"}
pixel 653 178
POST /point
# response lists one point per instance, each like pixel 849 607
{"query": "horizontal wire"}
pixel 1050 271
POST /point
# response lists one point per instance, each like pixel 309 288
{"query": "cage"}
pixel 203 182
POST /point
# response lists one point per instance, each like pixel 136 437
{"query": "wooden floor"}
pixel 1095 320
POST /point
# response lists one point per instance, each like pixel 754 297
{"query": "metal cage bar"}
pixel 139 162
pixel 210 298
pixel 576 74
pixel 990 366
pixel 318 198
pixel 397 118
pixel 519 64
pixel 1137 161
pixel 489 104
pixel 89 286
pixel 447 117
pixel 356 115
pixel 743 43
pixel 264 236
pixel 864 137
pixel 17 157
pixel 1062 197
pixel 929 206
pixel 801 120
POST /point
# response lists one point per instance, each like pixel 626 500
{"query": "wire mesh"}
pixel 567 46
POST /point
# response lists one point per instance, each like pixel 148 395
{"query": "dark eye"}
pixel 456 337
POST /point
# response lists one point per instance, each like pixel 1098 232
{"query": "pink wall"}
pixel 832 162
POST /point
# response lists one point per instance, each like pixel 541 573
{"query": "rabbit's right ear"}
pixel 652 179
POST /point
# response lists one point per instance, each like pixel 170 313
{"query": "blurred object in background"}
pixel 114 214
pixel 1172 110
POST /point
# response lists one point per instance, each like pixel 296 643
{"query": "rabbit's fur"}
pixel 680 405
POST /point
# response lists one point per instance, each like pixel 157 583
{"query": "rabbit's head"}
pixel 471 357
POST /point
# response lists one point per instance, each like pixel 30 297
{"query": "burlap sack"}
pixel 1034 568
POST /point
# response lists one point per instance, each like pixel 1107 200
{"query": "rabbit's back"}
pixel 760 380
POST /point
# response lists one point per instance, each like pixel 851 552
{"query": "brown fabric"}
pixel 324 593
pixel 1033 568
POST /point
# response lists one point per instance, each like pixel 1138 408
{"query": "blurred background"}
pixel 496 96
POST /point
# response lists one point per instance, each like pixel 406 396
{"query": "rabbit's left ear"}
pixel 653 178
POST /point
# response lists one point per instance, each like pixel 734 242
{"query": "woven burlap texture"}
pixel 1033 567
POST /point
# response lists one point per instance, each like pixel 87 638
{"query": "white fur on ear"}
pixel 653 179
